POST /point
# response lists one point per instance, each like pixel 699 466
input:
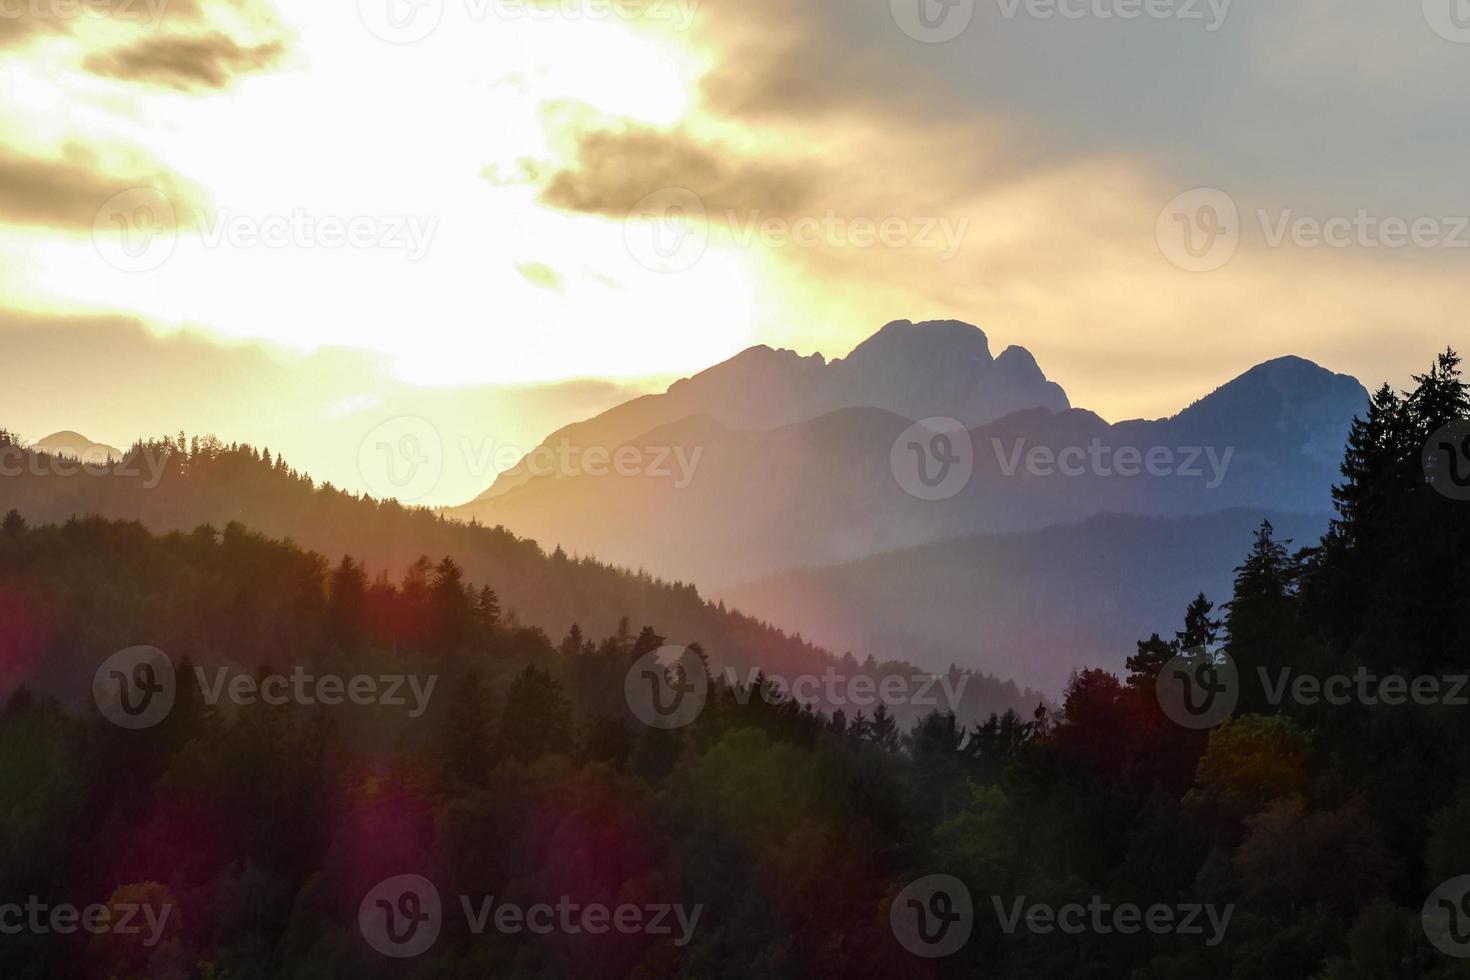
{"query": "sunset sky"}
pixel 288 222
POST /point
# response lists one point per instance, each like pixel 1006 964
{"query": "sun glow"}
pixel 382 196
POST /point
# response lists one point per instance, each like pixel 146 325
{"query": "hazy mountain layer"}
pixel 1034 606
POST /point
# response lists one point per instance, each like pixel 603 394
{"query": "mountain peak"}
pixel 1020 363
pixel 1297 379
pixel 906 341
pixel 77 446
pixel 936 368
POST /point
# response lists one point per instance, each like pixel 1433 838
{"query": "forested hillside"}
pixel 1313 831
pixel 181 484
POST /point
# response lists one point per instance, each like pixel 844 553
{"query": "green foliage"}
pixel 1323 829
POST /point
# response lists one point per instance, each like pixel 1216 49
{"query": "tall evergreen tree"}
pixel 1200 631
pixel 1261 619
pixel 537 719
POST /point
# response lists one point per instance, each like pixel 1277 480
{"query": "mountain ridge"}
pixel 823 489
pixel 912 369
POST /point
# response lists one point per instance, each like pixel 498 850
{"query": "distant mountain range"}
pixel 772 461
pixel 908 370
pixel 1031 607
pixel 74 445
pixel 1022 537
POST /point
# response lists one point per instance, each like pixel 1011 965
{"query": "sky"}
pixel 294 223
